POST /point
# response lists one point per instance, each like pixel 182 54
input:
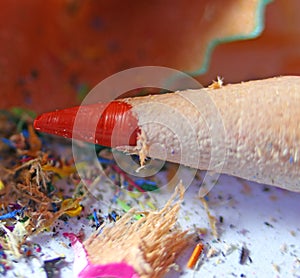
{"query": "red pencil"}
pixel 250 130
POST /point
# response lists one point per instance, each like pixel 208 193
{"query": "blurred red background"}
pixel 53 52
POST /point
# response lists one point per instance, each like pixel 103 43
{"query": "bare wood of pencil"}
pixel 258 123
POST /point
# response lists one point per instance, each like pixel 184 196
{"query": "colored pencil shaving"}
pixel 195 255
pixel 150 245
pixel 212 220
pixel 28 191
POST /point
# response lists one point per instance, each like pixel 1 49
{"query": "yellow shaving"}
pixel 13 240
pixel 216 84
pixel 212 220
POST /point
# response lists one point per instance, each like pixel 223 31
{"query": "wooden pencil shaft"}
pixel 250 130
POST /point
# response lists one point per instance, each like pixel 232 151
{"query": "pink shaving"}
pixel 118 270
pixel 84 269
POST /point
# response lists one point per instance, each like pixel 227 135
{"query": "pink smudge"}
pixel 84 269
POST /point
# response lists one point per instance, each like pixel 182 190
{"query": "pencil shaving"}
pixel 216 84
pixel 212 220
pixel 142 147
pixel 28 199
pixel 150 245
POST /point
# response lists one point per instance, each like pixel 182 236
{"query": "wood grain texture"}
pixel 250 130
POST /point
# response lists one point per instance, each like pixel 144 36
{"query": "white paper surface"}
pixel 263 219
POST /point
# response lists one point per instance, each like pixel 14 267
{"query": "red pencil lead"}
pixel 109 125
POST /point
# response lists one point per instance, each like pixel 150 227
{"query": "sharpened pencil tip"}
pixel 109 125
